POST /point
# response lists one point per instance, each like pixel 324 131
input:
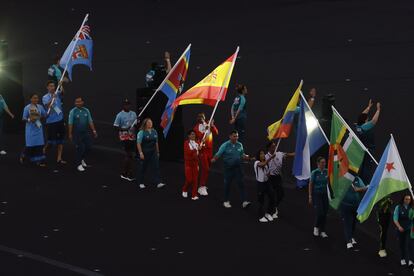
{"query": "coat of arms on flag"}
pixel 79 50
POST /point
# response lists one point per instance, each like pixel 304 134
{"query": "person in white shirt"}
pixel 261 169
pixel 275 173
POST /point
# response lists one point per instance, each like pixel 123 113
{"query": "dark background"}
pixel 370 43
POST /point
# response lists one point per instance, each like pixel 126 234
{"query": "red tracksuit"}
pixel 206 152
pixel 191 168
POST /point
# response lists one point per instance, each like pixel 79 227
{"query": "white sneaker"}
pixel 81 168
pixel 269 217
pixel 353 241
pixel 324 235
pixel 3 152
pixel 382 253
pixel 142 186
pixel 245 204
pixel 160 185
pixel 410 263
pixel 263 219
pixel 185 194
pixel 194 198
pixel 122 176
pixel 83 163
pixel 316 231
pixel 203 191
pixel 349 245
pixel 276 214
pixel 226 204
pixel 403 263
pixel 130 179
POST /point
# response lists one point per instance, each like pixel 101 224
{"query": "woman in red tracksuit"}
pixel 191 151
pixel 206 151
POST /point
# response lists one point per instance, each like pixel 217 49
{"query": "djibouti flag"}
pixel 389 177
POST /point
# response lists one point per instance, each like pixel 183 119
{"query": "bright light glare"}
pixel 311 123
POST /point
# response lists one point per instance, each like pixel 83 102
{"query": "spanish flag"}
pixel 212 88
pixel 281 129
pixel 209 91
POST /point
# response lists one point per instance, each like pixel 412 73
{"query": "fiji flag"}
pixel 172 86
pixel 309 139
pixel 79 50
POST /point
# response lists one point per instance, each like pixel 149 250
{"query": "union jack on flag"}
pixel 85 32
pixel 79 50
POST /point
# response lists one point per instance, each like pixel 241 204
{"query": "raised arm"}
pixel 374 119
pixel 368 108
pixel 167 60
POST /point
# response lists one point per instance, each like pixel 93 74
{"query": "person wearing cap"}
pixel 202 131
pixel 125 125
pixel 233 154
pixel 80 120
pixel 3 109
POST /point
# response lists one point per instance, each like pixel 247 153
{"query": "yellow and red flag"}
pixel 209 89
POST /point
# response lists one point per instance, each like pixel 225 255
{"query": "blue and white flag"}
pixel 309 139
pixel 79 50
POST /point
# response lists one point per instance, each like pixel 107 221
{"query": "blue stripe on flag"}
pixel 374 184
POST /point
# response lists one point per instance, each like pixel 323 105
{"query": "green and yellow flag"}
pixel 346 154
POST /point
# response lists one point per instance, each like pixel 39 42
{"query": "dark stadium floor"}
pixel 95 223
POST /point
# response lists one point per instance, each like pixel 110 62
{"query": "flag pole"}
pixel 277 145
pixel 402 164
pixel 221 94
pixel 162 83
pixel 353 133
pixel 313 114
pixel 67 63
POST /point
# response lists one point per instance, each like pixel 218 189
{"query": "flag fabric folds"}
pixel 309 139
pixel 172 86
pixel 207 91
pixel 389 177
pixel 79 50
pixel 281 128
pixel 345 158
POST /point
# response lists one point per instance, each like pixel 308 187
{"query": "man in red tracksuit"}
pixel 191 153
pixel 206 151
